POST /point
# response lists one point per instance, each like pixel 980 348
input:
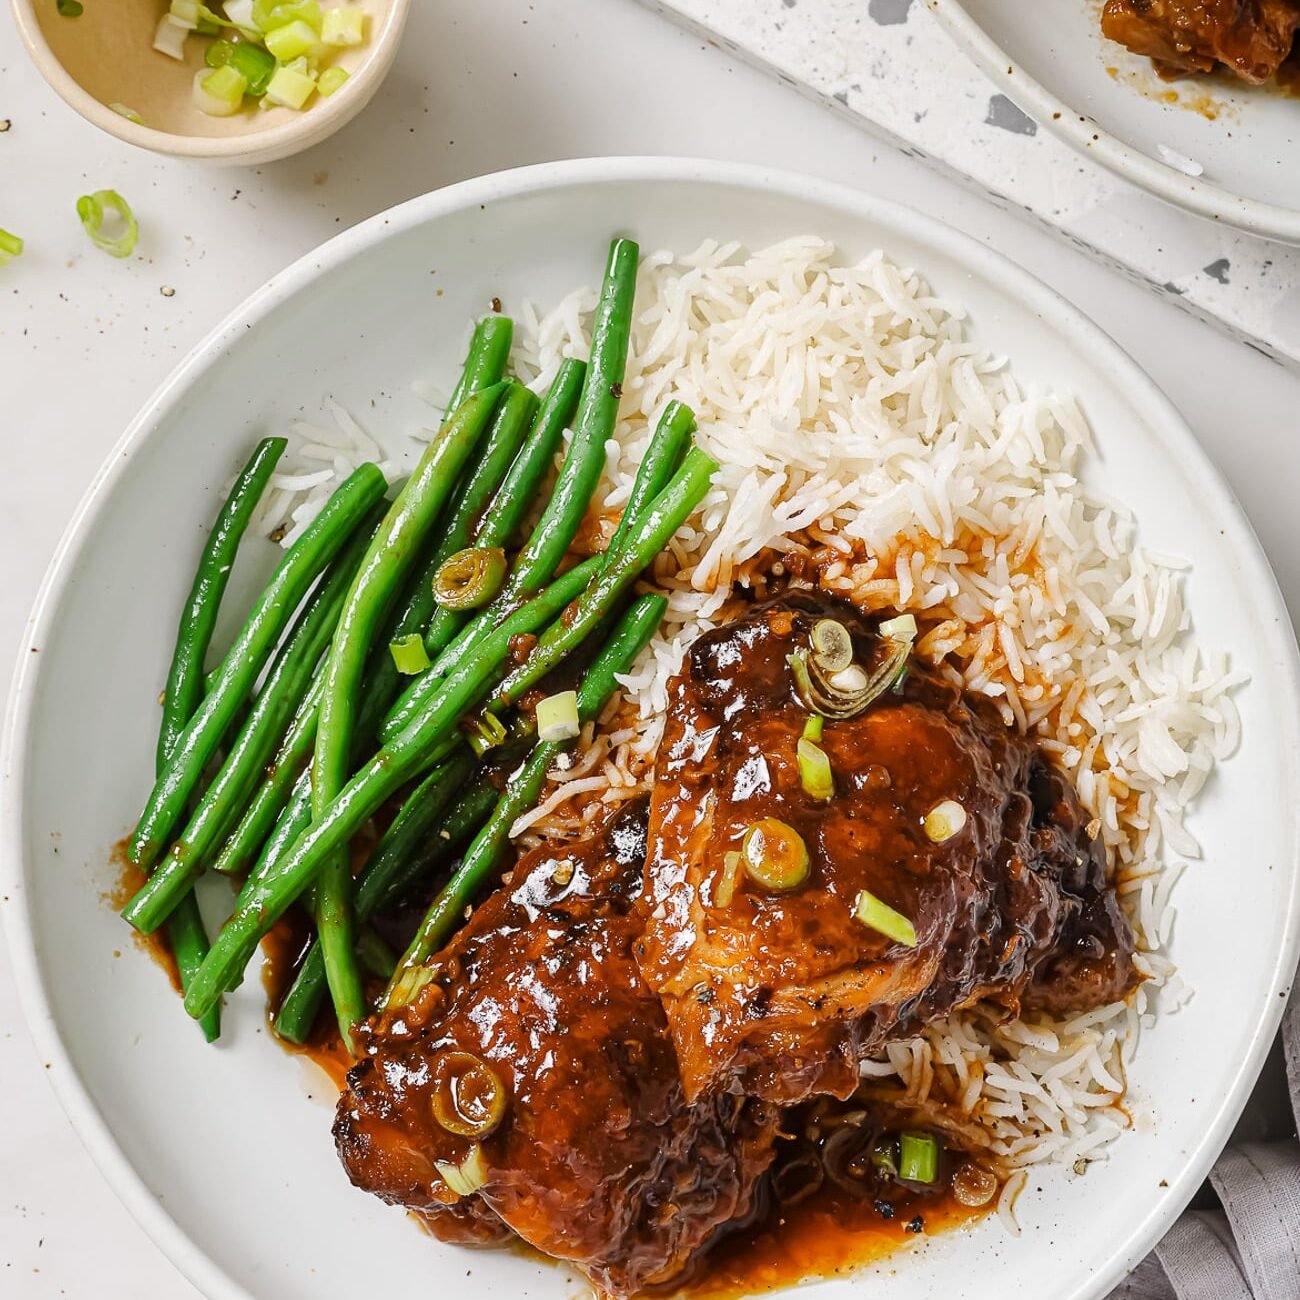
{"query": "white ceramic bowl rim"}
pixel 1164 419
pixel 1193 194
pixel 317 121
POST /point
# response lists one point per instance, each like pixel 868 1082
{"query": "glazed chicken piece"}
pixel 779 992
pixel 598 1158
pixel 1250 38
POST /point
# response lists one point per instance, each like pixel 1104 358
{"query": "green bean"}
pixel 263 811
pixel 485 362
pixel 260 906
pixel 509 427
pixel 518 494
pixel 594 424
pixel 388 559
pixel 649 533
pixel 374 954
pixel 186 937
pixel 399 856
pixel 184 687
pixel 662 459
pixel 287 681
pixel 598 685
pixel 197 744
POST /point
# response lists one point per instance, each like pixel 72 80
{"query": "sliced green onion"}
pixel 944 820
pixel 346 26
pixel 902 628
pixel 290 87
pixel 468 1096
pixel 330 80
pixel 129 113
pixel 832 645
pixel 728 879
pixel 219 53
pixel 879 916
pixel 409 655
pixel 470 578
pixel 249 59
pixel 557 717
pixel 884 1156
pixel 775 855
pixel 219 92
pixel 466 1177
pixel 267 15
pixel 10 247
pixel 918 1158
pixel 240 13
pixel 815 773
pixel 812 729
pixel 292 41
pixel 70 8
pixel 484 732
pixel 92 208
pixel 169 37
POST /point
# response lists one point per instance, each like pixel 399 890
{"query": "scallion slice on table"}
pixel 11 246
pixel 108 206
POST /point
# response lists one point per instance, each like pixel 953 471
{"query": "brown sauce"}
pixel 828 1235
pixel 129 881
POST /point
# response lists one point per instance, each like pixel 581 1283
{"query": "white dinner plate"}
pixel 1050 57
pixel 224 1153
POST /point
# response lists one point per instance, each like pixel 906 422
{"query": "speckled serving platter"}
pixel 891 66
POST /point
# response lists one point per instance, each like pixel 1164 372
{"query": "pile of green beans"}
pixel 273 766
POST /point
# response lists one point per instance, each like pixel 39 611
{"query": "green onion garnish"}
pixel 485 732
pixel 832 645
pixel 879 916
pixel 122 110
pixel 330 80
pixel 812 729
pixel 775 855
pixel 270 14
pixel 92 209
pixel 10 247
pixel 724 890
pixel 918 1158
pixel 944 820
pixel 815 770
pixel 292 41
pixel 409 654
pixel 291 86
pixel 468 1097
pixel 557 717
pixel 470 578
pixel 70 8
pixel 219 92
pixel 346 26
pixel 466 1177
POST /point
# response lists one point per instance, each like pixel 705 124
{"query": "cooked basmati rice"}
pixel 864 437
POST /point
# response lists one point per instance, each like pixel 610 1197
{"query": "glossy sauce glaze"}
pixel 779 993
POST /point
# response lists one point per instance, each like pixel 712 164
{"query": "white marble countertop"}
pixel 84 339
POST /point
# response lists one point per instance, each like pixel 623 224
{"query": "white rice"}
pixel 854 420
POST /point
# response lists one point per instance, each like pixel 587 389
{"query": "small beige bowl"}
pixel 106 56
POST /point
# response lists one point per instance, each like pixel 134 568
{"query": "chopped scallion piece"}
pixel 470 578
pixel 240 13
pixel 879 916
pixel 557 717
pixel 466 1177
pixel 944 820
pixel 832 645
pixel 92 209
pixel 728 879
pixel 468 1096
pixel 484 732
pixel 775 855
pixel 269 14
pixel 902 628
pixel 330 80
pixel 290 88
pixel 918 1158
pixel 812 729
pixel 169 37
pixel 129 113
pixel 219 53
pixel 409 654
pixel 292 41
pixel 219 92
pixel 70 8
pixel 345 26
pixel 10 247
pixel 815 773
pixel 256 65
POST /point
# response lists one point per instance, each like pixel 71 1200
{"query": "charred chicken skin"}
pixel 1250 38
pixel 938 810
pixel 599 1059
pixel 598 1158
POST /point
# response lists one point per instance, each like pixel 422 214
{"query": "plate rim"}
pixel 1142 393
pixel 1191 194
